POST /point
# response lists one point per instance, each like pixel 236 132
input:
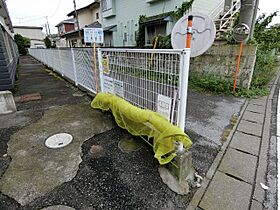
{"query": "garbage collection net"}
pixel 143 122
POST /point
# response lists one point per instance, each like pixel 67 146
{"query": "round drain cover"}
pixel 58 140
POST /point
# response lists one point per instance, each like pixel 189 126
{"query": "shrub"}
pixel 22 43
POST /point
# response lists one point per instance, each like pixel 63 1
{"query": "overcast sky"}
pixel 34 12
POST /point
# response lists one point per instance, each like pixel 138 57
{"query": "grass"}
pixel 218 85
pixel 198 82
pixel 146 73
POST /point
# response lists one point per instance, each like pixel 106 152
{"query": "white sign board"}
pixel 108 84
pixel 118 88
pixel 93 35
pixel 164 106
pixel 113 86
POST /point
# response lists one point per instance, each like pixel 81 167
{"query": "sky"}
pixel 34 12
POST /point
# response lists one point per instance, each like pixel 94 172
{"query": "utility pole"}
pixel 248 13
pixel 77 20
pixel 48 25
pixel 254 17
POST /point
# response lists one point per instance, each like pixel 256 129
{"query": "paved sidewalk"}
pixel 235 177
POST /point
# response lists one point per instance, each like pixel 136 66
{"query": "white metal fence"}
pixel 149 79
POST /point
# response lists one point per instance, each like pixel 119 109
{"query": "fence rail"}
pixel 149 79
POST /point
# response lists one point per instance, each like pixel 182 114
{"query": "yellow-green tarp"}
pixel 140 122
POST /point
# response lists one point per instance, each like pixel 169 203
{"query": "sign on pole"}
pixel 93 35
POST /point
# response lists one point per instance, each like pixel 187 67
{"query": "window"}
pixel 97 15
pixel 151 33
pixel 106 4
pixel 125 37
pixel 153 30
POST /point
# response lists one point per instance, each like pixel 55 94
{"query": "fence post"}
pixel 60 64
pixel 183 94
pixel 100 66
pixel 74 67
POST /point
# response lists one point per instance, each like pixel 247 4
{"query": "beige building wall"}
pixel 87 17
pixel 35 35
pixel 30 33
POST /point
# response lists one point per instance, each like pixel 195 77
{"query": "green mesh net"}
pixel 140 122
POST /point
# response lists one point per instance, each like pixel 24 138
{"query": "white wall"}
pixel 30 33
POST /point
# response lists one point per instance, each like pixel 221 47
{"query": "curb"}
pixel 258 193
pixel 266 126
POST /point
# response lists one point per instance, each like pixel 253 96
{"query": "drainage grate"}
pixel 58 140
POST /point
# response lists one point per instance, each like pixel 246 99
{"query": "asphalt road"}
pixel 110 179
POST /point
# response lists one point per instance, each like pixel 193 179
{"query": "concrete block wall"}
pixel 221 60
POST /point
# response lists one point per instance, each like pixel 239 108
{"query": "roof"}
pixel 95 3
pixel 110 28
pixel 70 20
pixel 155 18
pixel 29 27
pixel 95 24
pixel 5 14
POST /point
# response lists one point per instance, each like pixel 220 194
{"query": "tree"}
pixel 48 42
pixel 267 38
pixel 22 43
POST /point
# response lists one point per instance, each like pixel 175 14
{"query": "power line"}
pixel 31 18
pixel 34 19
pixel 57 7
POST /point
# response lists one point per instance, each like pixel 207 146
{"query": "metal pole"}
pixel 46 29
pixel 48 25
pixel 185 76
pixel 74 67
pixel 247 13
pixel 95 68
pixel 254 18
pixel 99 56
pixel 77 19
pixel 184 88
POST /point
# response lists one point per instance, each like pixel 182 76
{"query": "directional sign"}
pixel 93 35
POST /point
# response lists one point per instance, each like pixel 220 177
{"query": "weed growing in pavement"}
pixel 56 76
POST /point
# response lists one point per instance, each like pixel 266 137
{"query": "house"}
pixel 57 41
pixel 8 50
pixel 66 26
pixel 88 16
pixel 120 18
pixel 34 33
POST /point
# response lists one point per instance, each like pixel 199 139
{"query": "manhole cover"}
pixel 58 140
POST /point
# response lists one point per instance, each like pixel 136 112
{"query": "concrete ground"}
pixel 92 172
pixel 244 173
